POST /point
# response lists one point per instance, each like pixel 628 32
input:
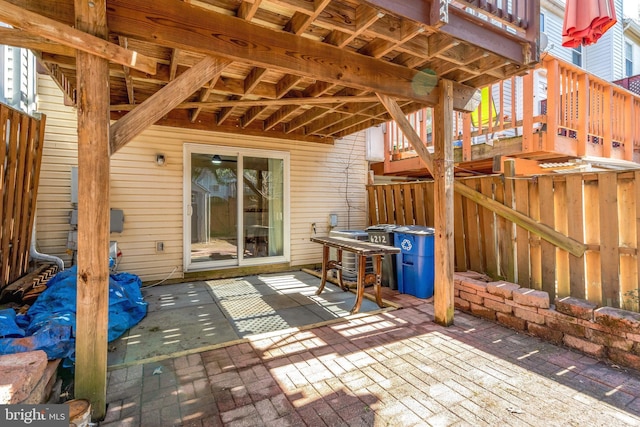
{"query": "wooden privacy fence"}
pixel 598 209
pixel 20 159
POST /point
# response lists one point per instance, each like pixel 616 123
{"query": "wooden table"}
pixel 362 250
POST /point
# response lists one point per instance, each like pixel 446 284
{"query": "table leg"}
pixel 362 265
pixel 377 261
pixel 325 266
pixel 340 282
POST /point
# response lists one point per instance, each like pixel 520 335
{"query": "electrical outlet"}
pixel 159 246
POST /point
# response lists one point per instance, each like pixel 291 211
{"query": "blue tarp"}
pixel 49 325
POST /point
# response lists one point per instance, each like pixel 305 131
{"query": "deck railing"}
pixel 576 113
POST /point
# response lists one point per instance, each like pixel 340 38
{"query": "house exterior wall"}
pixel 324 179
pixel 605 58
pixel 632 36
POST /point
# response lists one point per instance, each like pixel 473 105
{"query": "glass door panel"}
pixel 263 207
pixel 214 207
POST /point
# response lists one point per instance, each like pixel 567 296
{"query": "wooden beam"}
pixel 164 101
pixel 549 234
pixel 52 30
pixel 127 75
pixel 18 38
pixel 443 201
pixel 327 100
pixel 92 310
pixel 213 33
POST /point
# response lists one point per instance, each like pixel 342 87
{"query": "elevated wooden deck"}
pixel 555 113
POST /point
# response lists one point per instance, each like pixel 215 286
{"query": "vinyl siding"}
pixel 324 179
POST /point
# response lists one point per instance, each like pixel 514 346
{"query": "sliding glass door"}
pixel 236 207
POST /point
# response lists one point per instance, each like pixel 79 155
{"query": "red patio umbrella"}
pixel 585 21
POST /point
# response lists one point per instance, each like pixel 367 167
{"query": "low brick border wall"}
pixel 602 332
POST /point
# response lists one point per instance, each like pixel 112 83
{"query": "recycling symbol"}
pixel 406 245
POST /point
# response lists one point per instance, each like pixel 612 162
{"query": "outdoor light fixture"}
pixel 216 160
pixel 160 159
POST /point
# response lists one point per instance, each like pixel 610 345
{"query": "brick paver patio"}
pixel 391 369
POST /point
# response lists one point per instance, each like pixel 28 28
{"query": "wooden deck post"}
pixel 443 202
pixel 93 213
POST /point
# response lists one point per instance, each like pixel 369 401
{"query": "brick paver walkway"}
pixel 392 369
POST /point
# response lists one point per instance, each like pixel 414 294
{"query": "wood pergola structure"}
pixel 303 70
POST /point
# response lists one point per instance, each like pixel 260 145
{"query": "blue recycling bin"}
pixel 415 262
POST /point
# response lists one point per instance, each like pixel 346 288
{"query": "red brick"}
pixel 529 316
pixel 570 328
pixel 461 304
pixel 472 275
pixel 476 285
pixel 482 311
pixel 471 297
pixel 502 288
pixel 19 374
pixel 556 316
pixel 623 358
pixel 456 292
pixel 617 319
pixel 531 298
pixel 487 295
pixel 592 349
pixel 609 340
pixel 545 333
pixel 633 337
pixel 576 307
pixel 512 322
pixel 590 324
pixel 498 306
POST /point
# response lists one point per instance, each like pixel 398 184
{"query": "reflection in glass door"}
pixel 236 213
pixel 214 204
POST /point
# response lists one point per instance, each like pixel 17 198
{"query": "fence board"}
pixel 547 213
pixel 372 212
pixel 21 166
pixel 388 201
pixel 522 235
pixel 409 203
pixel 429 207
pixel 560 219
pixel 420 202
pixel 628 232
pixel 397 214
pixel 474 246
pixel 535 250
pixel 609 250
pixel 575 229
pixel 9 203
pixel 458 232
pixel 487 221
pixel 4 114
pixel 506 243
pixel 592 237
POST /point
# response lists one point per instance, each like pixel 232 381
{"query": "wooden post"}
pixel 93 213
pixel 553 95
pixel 583 114
pixel 527 115
pixel 443 202
pixel 607 120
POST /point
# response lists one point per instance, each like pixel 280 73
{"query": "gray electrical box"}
pixel 116 223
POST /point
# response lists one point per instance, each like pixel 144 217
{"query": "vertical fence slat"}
pixel 428 198
pixel 397 205
pixel 474 246
pixel 27 140
pixel 418 189
pixel 535 250
pixel 522 235
pixel 560 220
pixel 547 213
pixel 409 204
pixel 373 209
pixel 487 221
pixel 4 116
pixel 575 228
pixel 609 251
pixel 9 205
pixel 592 237
pixel 458 233
pixel 628 232
pixel 504 193
pixel 388 202
pixel 382 208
